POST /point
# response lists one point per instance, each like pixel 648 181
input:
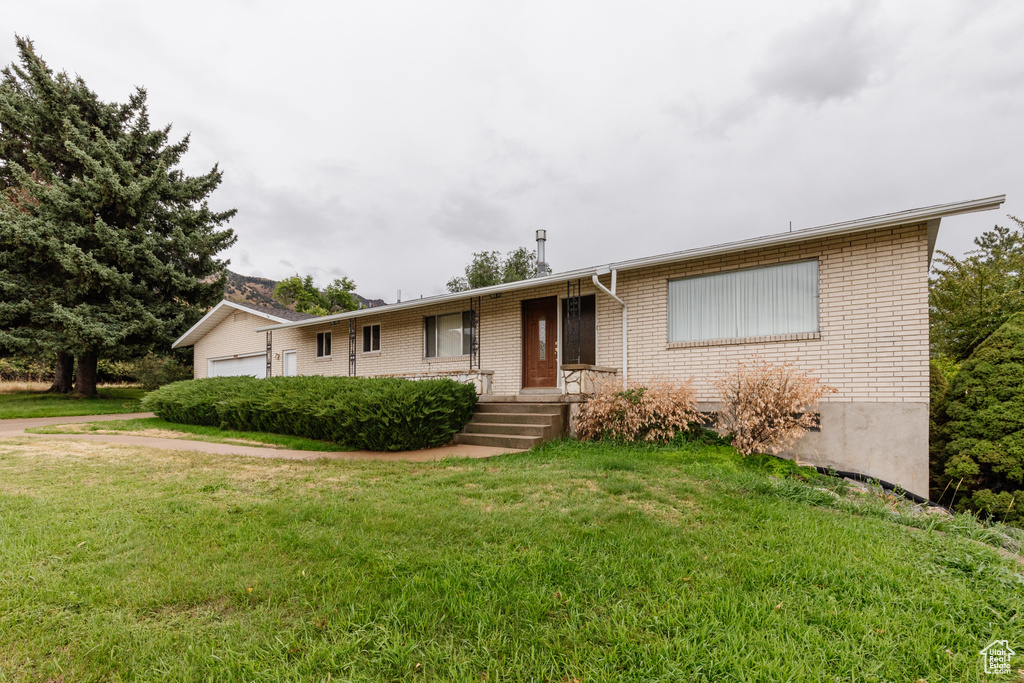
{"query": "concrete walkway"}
pixel 17 427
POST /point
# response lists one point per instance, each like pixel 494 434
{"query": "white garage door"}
pixel 233 367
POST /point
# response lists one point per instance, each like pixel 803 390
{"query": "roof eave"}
pixel 911 217
pixel 183 340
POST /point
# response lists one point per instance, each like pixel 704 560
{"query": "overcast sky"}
pixel 388 141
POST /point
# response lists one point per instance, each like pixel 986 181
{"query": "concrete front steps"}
pixel 515 424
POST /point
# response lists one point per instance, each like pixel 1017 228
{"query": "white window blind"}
pixel 758 302
pixel 449 335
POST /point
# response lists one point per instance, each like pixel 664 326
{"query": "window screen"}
pixel 757 302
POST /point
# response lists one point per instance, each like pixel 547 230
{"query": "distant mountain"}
pixel 259 291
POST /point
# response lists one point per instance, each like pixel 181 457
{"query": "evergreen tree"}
pixel 971 297
pixel 108 249
pixel 980 447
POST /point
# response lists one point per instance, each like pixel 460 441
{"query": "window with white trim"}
pixel 447 336
pixel 757 302
pixel 371 338
pixel 323 344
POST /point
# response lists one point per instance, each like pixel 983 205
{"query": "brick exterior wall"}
pixel 872 346
pixel 873 319
pixel 235 336
pixel 402 340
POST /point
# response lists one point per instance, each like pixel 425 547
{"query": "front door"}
pixel 540 336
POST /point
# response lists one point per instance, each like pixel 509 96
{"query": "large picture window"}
pixel 758 302
pixel 446 336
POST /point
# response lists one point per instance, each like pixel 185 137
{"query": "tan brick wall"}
pixel 235 336
pixel 873 343
pixel 401 340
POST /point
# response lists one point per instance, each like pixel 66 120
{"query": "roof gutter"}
pixel 891 220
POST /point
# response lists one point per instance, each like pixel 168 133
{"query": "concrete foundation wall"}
pixel 888 441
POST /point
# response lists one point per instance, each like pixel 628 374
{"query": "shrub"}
pixel 651 413
pixel 383 414
pixel 20 369
pixel 938 386
pixel 152 371
pixel 980 448
pixel 766 407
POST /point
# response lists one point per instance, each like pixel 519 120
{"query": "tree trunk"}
pixel 64 374
pixel 85 377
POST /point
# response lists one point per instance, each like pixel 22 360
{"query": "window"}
pixel 447 335
pixel 371 338
pixel 758 302
pixel 323 344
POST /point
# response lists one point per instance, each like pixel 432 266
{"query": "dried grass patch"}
pixel 15 387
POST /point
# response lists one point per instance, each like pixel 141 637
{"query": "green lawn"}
pixel 570 563
pixel 37 404
pixel 145 427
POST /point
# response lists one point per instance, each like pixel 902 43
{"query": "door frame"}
pixel 558 340
pixel 284 362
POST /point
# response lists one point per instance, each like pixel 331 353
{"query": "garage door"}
pixel 233 367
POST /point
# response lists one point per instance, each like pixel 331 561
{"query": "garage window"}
pixel 323 344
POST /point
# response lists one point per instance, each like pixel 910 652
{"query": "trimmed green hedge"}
pixel 385 414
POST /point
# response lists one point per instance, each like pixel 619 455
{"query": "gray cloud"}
pixel 472 219
pixel 831 57
pixel 388 141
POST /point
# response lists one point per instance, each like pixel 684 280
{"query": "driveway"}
pixel 17 427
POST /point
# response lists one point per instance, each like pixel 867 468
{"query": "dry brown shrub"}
pixel 652 412
pixel 766 407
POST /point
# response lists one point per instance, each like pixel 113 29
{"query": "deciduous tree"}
pixel 304 295
pixel 491 268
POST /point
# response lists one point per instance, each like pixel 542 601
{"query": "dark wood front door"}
pixel 540 339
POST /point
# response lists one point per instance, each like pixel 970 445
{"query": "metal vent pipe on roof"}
pixel 542 263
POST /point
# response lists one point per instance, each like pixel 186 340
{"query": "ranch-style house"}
pixel 847 302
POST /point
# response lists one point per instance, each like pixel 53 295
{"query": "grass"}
pixel 154 426
pixel 574 562
pixel 17 403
